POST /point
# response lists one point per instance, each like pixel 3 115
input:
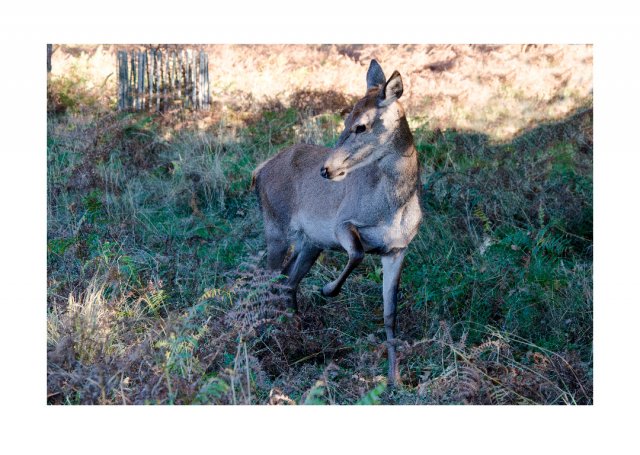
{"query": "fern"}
pixel 486 224
pixel 155 300
pixel 541 215
pixel 211 391
pixel 315 395
pixel 372 397
pixel 469 382
pixel 550 242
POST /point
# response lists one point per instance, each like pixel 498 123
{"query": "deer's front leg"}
pixel 349 238
pixel 391 268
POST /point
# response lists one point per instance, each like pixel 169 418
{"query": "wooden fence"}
pixel 157 81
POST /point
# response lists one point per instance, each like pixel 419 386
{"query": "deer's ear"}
pixel 375 75
pixel 391 91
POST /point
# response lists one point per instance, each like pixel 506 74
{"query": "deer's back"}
pixel 292 191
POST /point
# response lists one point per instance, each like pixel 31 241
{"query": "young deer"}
pixel 360 196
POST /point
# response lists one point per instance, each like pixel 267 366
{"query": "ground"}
pixel 156 286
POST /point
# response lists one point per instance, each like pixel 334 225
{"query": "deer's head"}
pixel 375 127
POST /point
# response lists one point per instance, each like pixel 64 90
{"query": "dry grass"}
pixel 498 90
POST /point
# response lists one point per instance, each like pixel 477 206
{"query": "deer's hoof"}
pixel 330 290
pixel 393 379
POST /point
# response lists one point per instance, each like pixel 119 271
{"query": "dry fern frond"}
pixel 259 299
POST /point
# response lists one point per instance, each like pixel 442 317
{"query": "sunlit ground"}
pixel 497 90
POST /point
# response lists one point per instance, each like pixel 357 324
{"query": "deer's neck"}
pixel 401 166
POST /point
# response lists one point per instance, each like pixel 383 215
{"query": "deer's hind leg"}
pixel 277 244
pixel 303 257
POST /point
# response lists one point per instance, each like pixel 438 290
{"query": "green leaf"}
pixel 372 397
pixel 315 396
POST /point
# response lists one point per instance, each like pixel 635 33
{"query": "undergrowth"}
pixel 156 292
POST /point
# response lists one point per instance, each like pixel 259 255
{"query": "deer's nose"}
pixel 324 172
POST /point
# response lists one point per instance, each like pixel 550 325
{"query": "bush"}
pixel 69 93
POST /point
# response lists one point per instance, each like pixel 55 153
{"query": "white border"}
pixel 29 425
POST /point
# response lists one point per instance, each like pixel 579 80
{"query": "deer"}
pixel 361 196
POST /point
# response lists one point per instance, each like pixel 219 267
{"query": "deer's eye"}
pixel 360 129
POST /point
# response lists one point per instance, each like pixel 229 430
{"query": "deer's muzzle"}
pixel 332 175
pixel 335 167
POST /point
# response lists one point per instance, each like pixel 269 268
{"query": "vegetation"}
pixel 156 286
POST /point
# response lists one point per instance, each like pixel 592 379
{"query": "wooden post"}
pixel 193 75
pixel 152 79
pixel 132 81
pixel 158 79
pixel 165 81
pixel 122 79
pixel 173 76
pixel 154 86
pixel 145 85
pixel 187 76
pixel 180 77
pixel 127 98
pixel 201 80
pixel 207 81
pixel 158 72
pixel 119 71
pixel 189 81
pixel 49 52
pixel 140 81
pixel 149 78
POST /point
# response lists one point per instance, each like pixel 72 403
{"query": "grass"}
pixel 156 291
